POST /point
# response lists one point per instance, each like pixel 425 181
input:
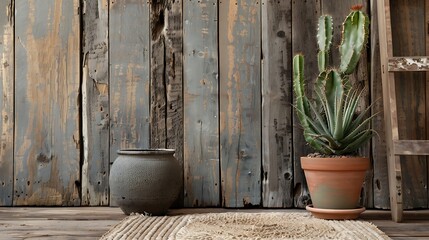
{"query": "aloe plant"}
pixel 332 125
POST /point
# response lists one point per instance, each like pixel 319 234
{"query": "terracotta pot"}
pixel 145 181
pixel 335 183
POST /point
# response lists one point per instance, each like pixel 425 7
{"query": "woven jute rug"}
pixel 236 225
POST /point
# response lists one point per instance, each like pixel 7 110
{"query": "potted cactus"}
pixel 332 125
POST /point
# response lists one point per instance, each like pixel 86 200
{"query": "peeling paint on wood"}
pixel 201 108
pixel 240 102
pixel 7 68
pixel 47 136
pixel 95 104
pixel 415 64
pixel 277 178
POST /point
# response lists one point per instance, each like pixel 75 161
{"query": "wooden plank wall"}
pixel 7 71
pixel 209 78
pixel 47 97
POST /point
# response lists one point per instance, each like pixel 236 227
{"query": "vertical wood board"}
pixel 201 105
pixel 166 88
pixel 379 155
pixel 277 177
pixel 304 25
pixel 408 30
pixel 174 76
pixel 47 136
pixel 158 85
pixel 174 82
pixel 240 102
pixel 7 68
pixel 426 2
pixel 129 75
pixel 95 103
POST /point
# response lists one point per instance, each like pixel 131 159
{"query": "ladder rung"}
pixel 411 147
pixel 408 64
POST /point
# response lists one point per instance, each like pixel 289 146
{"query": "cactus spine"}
pixel 331 125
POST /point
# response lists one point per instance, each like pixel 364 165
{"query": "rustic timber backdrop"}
pixel 210 78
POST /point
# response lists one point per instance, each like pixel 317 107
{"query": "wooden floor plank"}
pixel 92 222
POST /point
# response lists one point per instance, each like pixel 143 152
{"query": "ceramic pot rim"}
pixel 142 151
pixel 335 164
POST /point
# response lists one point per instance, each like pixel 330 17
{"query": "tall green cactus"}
pixel 331 124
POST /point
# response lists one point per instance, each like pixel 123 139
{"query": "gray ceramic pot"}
pixel 145 181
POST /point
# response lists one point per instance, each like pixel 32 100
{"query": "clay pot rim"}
pixel 335 163
pixel 143 151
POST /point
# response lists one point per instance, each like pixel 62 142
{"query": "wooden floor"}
pixel 92 222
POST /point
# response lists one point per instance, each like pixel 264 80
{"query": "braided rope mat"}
pixel 236 225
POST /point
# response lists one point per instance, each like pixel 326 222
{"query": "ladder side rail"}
pixel 390 110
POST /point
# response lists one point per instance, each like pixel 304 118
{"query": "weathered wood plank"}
pixel 57 223
pixel 277 178
pixel 408 29
pixel 378 144
pixel 412 64
pixel 339 10
pixel 390 110
pixel 427 83
pixel 158 85
pixel 201 104
pixel 166 111
pixel 166 75
pixel 174 81
pixel 95 104
pixel 304 25
pixel 411 147
pixel 129 75
pixel 7 68
pixel 73 223
pixel 174 76
pixel 240 102
pixel 47 136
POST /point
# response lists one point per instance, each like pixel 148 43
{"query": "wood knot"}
pixel 42 158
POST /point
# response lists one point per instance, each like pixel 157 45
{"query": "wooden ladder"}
pixel 395 146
